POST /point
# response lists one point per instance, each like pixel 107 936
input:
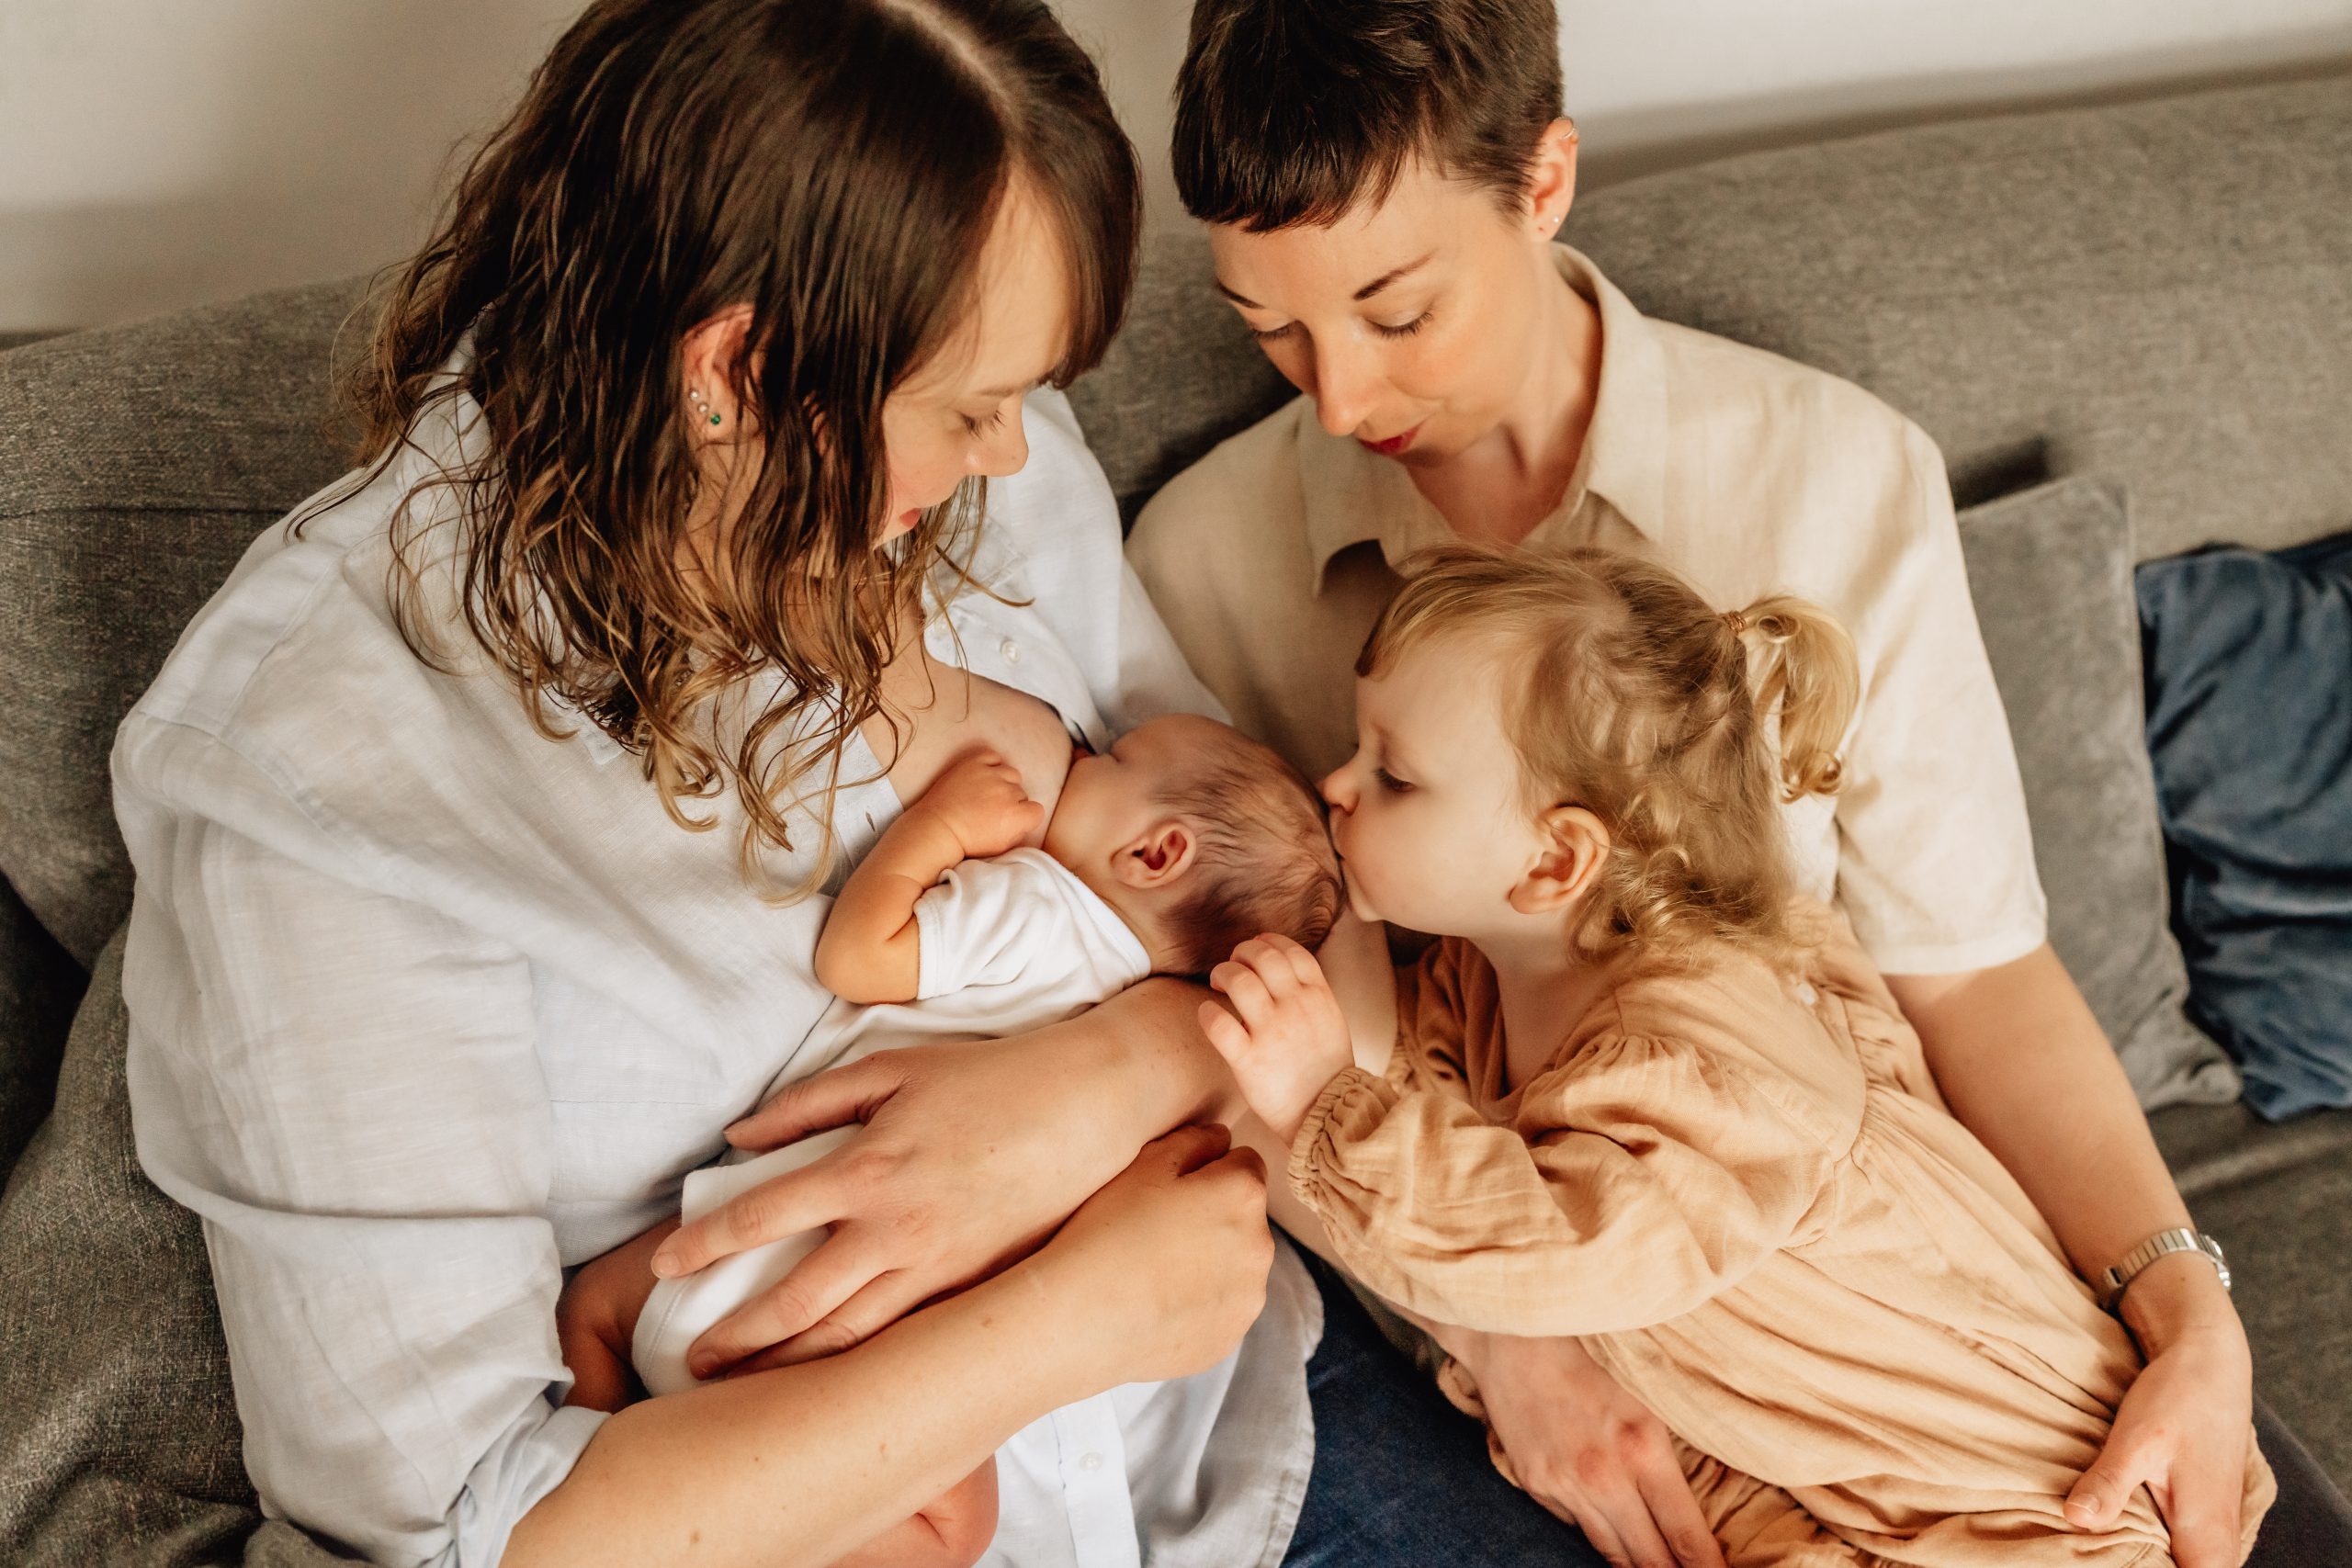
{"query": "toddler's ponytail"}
pixel 1801 664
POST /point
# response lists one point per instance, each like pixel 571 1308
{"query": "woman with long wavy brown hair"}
pixel 477 821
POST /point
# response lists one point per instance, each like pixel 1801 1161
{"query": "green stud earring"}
pixel 702 404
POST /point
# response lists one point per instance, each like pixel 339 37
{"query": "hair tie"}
pixel 1736 621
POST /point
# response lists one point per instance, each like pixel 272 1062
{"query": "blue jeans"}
pixel 1401 1478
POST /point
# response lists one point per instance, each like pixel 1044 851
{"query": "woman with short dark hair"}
pixel 1383 182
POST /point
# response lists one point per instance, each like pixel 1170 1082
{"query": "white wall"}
pixel 162 153
pixel 1657 83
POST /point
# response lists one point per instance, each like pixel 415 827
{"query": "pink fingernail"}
pixel 702 1366
pixel 665 1267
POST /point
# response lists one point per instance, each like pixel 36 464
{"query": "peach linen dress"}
pixel 1741 1189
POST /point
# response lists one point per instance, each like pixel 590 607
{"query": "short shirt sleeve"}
pixel 992 922
pixel 1935 852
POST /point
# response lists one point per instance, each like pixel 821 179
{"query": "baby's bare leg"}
pixel 950 1531
pixel 597 1316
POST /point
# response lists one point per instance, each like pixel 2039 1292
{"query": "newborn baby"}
pixel 1163 854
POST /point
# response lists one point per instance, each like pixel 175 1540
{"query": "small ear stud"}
pixel 702 404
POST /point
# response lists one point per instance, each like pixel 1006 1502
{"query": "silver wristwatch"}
pixel 2113 1282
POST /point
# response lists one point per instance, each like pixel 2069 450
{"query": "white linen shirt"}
pixel 426 1007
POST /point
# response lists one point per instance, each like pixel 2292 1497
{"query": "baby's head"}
pixel 1201 838
pixel 1578 741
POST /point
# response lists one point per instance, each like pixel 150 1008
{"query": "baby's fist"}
pixel 982 800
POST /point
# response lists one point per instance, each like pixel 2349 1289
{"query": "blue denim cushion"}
pixel 2249 669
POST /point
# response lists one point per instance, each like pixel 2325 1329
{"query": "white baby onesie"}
pixel 1007 945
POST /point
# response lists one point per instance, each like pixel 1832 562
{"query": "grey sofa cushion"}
pixel 2051 573
pixel 2157 292
pixel 135 466
pixel 40 985
pixel 119 1435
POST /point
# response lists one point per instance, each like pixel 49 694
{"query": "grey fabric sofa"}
pixel 2159 294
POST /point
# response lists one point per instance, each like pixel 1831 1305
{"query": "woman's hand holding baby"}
pixel 1287 1035
pixel 969 1156
pixel 1191 1195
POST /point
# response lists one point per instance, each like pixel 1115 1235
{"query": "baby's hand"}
pixel 1291 1035
pixel 980 800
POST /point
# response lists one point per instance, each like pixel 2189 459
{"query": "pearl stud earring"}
pixel 702 404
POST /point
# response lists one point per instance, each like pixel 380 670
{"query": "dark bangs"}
pixel 1292 112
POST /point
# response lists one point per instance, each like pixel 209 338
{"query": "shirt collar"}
pixel 1352 495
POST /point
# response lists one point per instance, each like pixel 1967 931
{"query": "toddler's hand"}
pixel 980 800
pixel 1290 1036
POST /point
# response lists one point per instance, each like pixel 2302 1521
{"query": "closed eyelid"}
pixel 1384 754
pixel 1243 312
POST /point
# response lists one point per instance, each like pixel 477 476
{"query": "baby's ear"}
pixel 1159 858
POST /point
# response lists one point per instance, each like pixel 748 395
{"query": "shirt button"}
pixel 1012 651
pixel 1089 1462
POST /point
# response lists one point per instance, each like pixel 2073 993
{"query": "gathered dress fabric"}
pixel 1738 1185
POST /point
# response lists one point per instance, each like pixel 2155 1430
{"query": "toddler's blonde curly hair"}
pixel 1682 728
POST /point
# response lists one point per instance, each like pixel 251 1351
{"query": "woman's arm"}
pixel 2026 1067
pixel 2027 1070
pixel 1936 870
pixel 968 1156
pixel 595 1322
pixel 798 1465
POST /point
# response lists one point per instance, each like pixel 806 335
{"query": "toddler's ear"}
pixel 1576 848
pixel 1158 859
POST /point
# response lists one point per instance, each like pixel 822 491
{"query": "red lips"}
pixel 1395 444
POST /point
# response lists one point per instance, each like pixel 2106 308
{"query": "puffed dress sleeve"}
pixel 1632 1182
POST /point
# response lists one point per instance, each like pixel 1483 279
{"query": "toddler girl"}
pixel 1641 1094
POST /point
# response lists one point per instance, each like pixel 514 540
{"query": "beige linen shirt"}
pixel 1748 474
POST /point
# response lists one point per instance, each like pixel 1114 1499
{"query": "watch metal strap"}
pixel 2112 1282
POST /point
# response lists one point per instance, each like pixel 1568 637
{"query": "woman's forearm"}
pixel 2026 1067
pixel 792 1468
pixel 1147 1067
